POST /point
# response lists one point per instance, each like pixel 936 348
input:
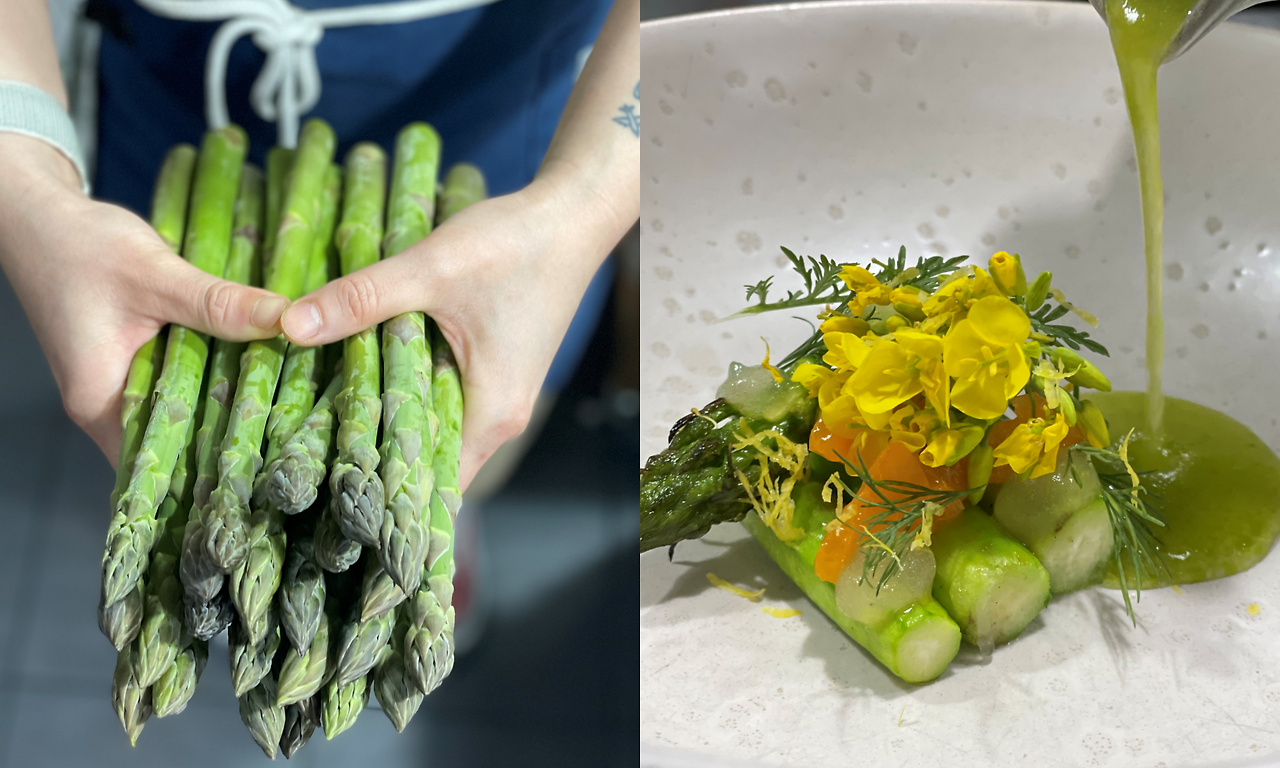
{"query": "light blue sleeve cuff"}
pixel 30 111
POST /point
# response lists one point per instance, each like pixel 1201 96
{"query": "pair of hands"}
pixel 502 279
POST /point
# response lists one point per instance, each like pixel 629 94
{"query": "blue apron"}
pixel 493 81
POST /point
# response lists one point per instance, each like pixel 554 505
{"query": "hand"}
pixel 502 279
pixel 97 282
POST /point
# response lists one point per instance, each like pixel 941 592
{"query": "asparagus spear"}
pixel 989 583
pixel 397 692
pixel 227 524
pixel 360 645
pixel 168 218
pixel 300 721
pixel 379 593
pixel 301 676
pixel 293 480
pixel 1063 520
pixel 429 638
pixel 263 716
pixel 302 594
pixel 250 660
pixel 428 644
pixel 201 577
pixel 463 185
pixel 121 620
pixel 356 487
pixel 205 620
pixel 279 164
pixel 207 243
pixel 342 705
pixel 162 633
pixel 407 473
pixel 335 553
pixel 172 692
pixel 131 701
pixel 916 643
pixel 301 374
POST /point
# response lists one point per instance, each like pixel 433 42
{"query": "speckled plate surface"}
pixel 955 128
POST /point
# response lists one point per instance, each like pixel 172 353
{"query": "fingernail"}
pixel 267 311
pixel 303 322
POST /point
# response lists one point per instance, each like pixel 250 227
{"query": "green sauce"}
pixel 1219 483
pixel 1219 486
pixel 1141 32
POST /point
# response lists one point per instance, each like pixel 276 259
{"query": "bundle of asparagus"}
pixel 253 493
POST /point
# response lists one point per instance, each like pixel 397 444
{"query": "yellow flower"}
pixel 1008 274
pixel 842 417
pixel 950 303
pixel 984 354
pixel 927 350
pixel 868 290
pixel 765 364
pixel 843 324
pixel 948 446
pixel 845 351
pixel 811 376
pixel 1033 445
pixel 885 379
pixel 1093 425
pixel 912 427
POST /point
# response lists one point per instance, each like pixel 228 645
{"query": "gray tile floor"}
pixel 552 681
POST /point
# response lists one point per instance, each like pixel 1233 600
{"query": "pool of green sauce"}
pixel 1218 483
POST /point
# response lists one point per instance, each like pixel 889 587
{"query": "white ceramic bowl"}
pixel 957 128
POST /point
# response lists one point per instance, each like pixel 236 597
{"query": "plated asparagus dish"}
pixel 300 498
pixel 931 466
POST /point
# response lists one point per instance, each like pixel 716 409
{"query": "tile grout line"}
pixel 16 641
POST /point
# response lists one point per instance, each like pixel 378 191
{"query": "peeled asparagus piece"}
pixel 988 582
pixel 915 643
pixel 1063 519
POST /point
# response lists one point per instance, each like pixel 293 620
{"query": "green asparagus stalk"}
pixel 168 219
pixel 227 524
pixel 263 716
pixel 121 620
pixel 251 661
pixel 131 701
pixel 300 721
pixel 302 676
pixel 395 689
pixel 357 490
pixel 201 577
pixel 463 186
pixel 173 691
pixel 302 595
pixel 293 480
pixel 279 164
pixel 429 639
pixel 989 583
pixel 342 705
pixel 428 646
pixel 379 592
pixel 205 620
pixel 335 553
pixel 916 643
pixel 206 247
pixel 300 377
pixel 361 644
pixel 1062 518
pixel 406 468
pixel 162 633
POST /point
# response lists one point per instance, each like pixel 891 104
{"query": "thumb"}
pixel 189 296
pixel 360 300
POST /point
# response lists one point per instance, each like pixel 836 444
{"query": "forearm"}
pixel 27 52
pixel 594 159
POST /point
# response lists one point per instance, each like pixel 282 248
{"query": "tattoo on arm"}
pixel 629 113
